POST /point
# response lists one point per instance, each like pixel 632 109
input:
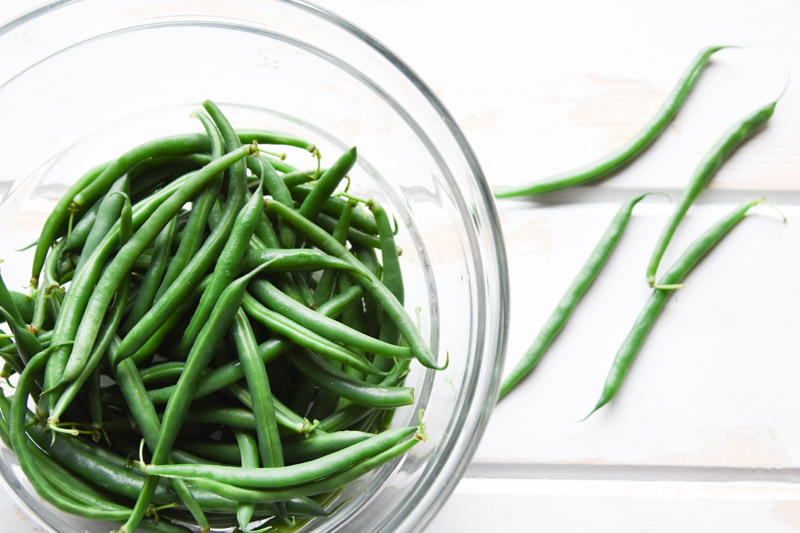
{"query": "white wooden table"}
pixel 704 435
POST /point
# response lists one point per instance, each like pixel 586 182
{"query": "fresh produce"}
pixel 558 319
pixel 737 135
pixel 180 316
pixel 659 297
pixel 629 151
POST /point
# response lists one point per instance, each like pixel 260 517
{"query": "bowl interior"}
pixel 80 96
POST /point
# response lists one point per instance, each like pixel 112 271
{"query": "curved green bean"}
pixel 586 277
pixel 629 151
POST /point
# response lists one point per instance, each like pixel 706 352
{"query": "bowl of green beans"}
pixel 368 185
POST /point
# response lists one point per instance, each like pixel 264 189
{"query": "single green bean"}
pixel 269 443
pixel 332 483
pixel 248 450
pixel 629 151
pixel 287 476
pixel 586 277
pixel 294 260
pixel 357 391
pixel 327 183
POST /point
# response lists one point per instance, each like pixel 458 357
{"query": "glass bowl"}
pixel 82 81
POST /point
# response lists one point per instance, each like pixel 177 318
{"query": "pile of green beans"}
pixel 214 338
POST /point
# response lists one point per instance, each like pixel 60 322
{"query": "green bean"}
pixel 304 337
pixel 27 344
pixel 166 371
pixel 327 183
pixel 629 151
pixel 269 444
pixel 357 391
pixel 64 481
pixel 107 214
pixel 232 417
pixel 111 473
pixel 96 182
pixel 586 277
pixel 658 299
pixel 287 476
pixel 334 482
pixel 153 343
pixel 316 445
pixel 356 317
pixel 391 276
pixel 144 412
pixel 298 177
pixel 737 135
pixel 211 451
pixel 301 283
pixel 25 304
pixel 153 173
pixel 83 193
pixel 273 298
pixel 95 302
pixel 227 267
pixel 182 456
pixel 231 372
pixel 248 450
pixel 344 418
pixel 44 292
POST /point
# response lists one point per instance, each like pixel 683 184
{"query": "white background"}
pixel 704 435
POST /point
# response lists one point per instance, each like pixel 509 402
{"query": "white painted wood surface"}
pixel 704 435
